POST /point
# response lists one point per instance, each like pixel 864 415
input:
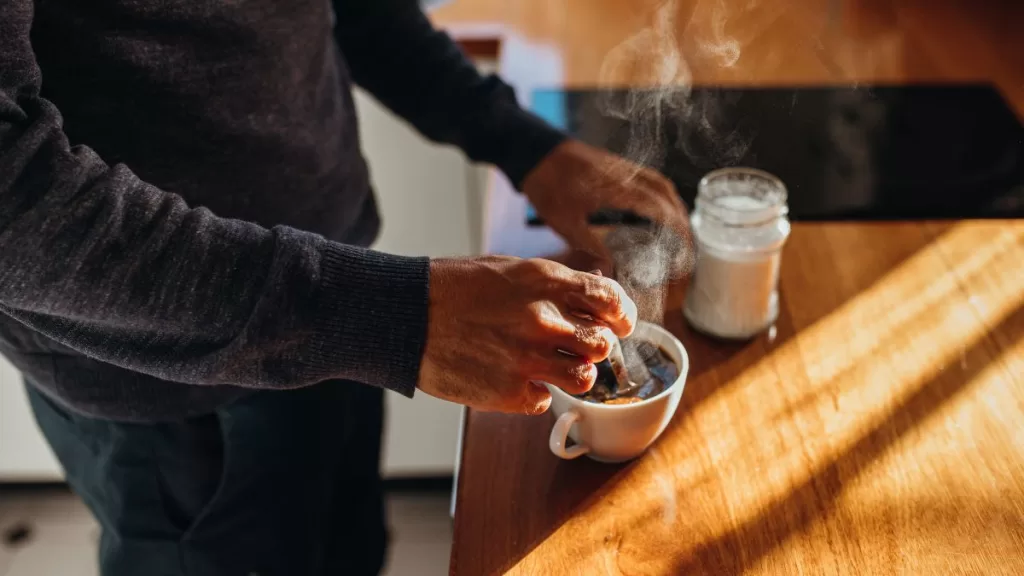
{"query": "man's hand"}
pixel 498 324
pixel 576 180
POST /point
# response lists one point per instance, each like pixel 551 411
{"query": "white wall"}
pixel 421 188
pixel 24 455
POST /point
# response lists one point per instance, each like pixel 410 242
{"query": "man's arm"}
pixel 129 274
pixel 418 72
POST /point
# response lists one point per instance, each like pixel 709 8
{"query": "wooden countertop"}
pixel 878 432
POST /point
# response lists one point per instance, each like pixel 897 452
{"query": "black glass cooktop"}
pixel 845 153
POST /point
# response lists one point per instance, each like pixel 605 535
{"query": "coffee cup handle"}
pixel 560 435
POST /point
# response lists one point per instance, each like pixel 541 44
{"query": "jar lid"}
pixel 741 196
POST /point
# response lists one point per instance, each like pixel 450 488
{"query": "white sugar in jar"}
pixel 739 222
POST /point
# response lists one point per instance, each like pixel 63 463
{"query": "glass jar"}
pixel 739 223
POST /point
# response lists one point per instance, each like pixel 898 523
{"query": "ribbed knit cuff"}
pixel 371 317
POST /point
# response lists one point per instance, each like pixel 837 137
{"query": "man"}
pixel 183 283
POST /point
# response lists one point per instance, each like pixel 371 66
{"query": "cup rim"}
pixel 684 369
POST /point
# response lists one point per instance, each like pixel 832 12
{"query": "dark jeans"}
pixel 276 484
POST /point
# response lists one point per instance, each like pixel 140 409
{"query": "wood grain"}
pixel 778 41
pixel 877 430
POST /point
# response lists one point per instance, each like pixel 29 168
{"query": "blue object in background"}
pixel 550 106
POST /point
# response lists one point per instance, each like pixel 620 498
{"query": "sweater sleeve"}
pixel 126 273
pixel 421 74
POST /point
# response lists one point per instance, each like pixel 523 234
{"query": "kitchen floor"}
pixel 63 535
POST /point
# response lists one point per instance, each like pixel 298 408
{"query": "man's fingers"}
pixel 660 209
pixel 573 374
pixel 661 204
pixel 589 340
pixel 604 300
pixel 654 197
pixel 536 400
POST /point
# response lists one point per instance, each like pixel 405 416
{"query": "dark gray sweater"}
pixel 183 200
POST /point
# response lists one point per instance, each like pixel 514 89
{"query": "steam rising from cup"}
pixel 658 99
pixel 658 102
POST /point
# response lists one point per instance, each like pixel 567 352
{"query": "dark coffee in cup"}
pixel 651 371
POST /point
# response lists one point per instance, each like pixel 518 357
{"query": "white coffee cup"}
pixel 618 432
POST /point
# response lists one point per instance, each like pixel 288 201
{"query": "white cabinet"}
pixel 24 455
